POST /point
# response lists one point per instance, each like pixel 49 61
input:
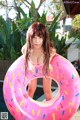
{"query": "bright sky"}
pixel 12 13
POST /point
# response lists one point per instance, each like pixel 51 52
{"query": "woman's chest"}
pixel 37 59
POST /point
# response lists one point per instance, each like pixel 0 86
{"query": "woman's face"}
pixel 37 42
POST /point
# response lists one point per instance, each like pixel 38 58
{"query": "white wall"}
pixel 73 53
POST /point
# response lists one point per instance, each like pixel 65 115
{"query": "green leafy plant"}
pixel 12 33
pixel 75 32
pixel 6 49
pixel 76 22
pixel 10 40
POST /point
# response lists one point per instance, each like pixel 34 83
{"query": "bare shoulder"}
pixel 52 53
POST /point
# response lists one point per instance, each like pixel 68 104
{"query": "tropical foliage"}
pixel 12 33
pixel 76 30
pixel 76 22
pixel 53 6
pixel 10 40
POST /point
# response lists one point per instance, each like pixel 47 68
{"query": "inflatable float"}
pixel 22 107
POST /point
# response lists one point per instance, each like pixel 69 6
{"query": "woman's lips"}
pixel 37 44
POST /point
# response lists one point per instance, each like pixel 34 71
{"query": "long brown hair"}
pixel 38 29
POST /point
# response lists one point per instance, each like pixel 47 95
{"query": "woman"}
pixel 38 51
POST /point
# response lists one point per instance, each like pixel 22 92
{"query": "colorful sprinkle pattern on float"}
pixel 22 107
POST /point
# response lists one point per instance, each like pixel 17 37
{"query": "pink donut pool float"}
pixel 22 107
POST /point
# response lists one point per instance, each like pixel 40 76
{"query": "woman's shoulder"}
pixel 52 53
pixel 24 48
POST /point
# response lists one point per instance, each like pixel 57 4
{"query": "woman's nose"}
pixel 37 41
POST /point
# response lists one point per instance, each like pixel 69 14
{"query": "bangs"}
pixel 37 33
pixel 37 29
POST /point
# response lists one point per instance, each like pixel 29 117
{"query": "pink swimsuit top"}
pixel 36 68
